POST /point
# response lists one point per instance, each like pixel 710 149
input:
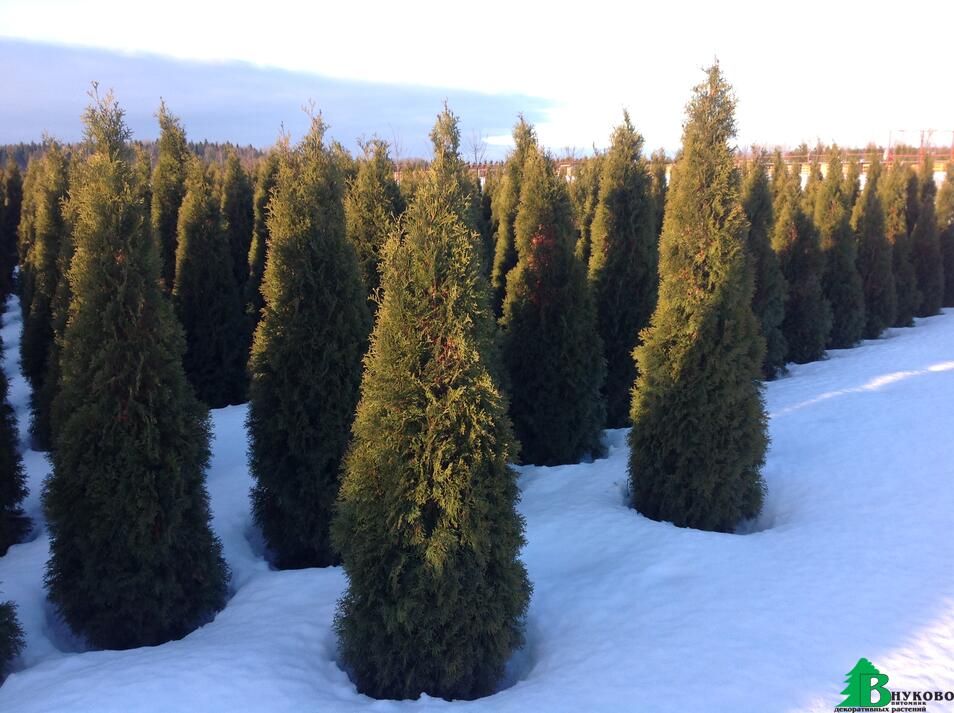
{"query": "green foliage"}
pixel 426 521
pixel 657 170
pixel 486 228
pixel 851 184
pixel 11 637
pixel 264 184
pixel 623 264
pixel 205 296
pixel 894 189
pixel 807 320
pixel 14 525
pixel 841 282
pixel 372 204
pixel 769 294
pixel 874 256
pixel 168 190
pixel 945 222
pixel 585 195
pixel 237 216
pixel 551 348
pixel 699 428
pixel 11 198
pixel 306 357
pixel 812 186
pixel 506 203
pixel 45 269
pixel 25 235
pixel 925 246
pixel 131 439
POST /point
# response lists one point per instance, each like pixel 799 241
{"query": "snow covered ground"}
pixel 853 556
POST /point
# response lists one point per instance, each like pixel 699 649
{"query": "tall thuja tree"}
pixel 486 229
pixel 657 171
pixel 812 184
pixel 506 203
pixel 237 215
pixel 426 519
pixel 874 255
pixel 11 637
pixel 807 320
pixel 306 357
pixel 945 223
pixel 372 204
pixel 46 270
pixel 26 235
pixel 585 195
pixel 131 439
pixel 925 246
pixel 851 186
pixel 205 296
pixel 551 348
pixel 840 281
pixel 42 399
pixel 14 525
pixel 168 190
pixel 893 189
pixel 699 427
pixel 623 264
pixel 12 199
pixel 265 177
pixel 769 294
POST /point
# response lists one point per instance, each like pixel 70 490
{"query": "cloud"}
pixel 45 88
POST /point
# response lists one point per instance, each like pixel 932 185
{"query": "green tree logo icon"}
pixel 863 680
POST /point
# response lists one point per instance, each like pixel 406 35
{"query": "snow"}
pixel 851 557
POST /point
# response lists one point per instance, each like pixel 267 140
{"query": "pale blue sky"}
pixel 837 71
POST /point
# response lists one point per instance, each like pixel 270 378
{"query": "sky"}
pixel 849 72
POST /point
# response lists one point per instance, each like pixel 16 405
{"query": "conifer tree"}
pixel 264 183
pixel 945 221
pixel 851 185
pixel 488 227
pixel 42 399
pixel 893 189
pixel 506 202
pixel 812 184
pixel 372 204
pixel 26 234
pixel 807 320
pixel 874 256
pixel 925 247
pixel 585 195
pixel 237 216
pixel 623 264
pixel 42 262
pixel 132 441
pixel 451 169
pixel 206 297
pixel 699 427
pixel 168 189
pixel 9 221
pixel 841 282
pixel 657 171
pixel 426 519
pixel 550 343
pixel 306 357
pixel 769 294
pixel 14 525
pixel 11 637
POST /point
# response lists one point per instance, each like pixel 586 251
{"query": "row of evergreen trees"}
pixel 527 314
pixel 14 524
